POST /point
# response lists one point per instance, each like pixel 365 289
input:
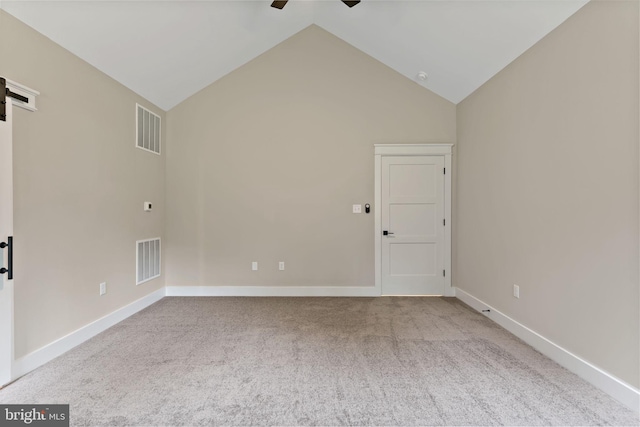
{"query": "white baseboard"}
pixel 272 291
pixel 49 352
pixel 618 389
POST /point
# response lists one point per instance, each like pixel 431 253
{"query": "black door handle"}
pixel 8 245
pixel 387 233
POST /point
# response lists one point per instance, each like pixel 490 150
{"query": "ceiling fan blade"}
pixel 351 3
pixel 279 4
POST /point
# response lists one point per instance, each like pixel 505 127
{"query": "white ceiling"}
pixel 169 50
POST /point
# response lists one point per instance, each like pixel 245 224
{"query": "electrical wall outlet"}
pixel 103 288
pixel 281 265
pixel 516 291
pixel 254 265
pixel 357 208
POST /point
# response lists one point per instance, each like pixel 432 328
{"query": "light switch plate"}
pixel 254 265
pixel 357 209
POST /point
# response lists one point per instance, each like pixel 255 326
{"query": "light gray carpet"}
pixel 313 361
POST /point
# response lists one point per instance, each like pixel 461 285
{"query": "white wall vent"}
pixel 147 260
pixel 147 130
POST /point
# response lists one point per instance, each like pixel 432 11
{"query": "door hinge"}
pixel 444 171
pixel 444 273
pixel 444 222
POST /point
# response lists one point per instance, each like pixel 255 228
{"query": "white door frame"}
pixel 445 150
pixel 7 356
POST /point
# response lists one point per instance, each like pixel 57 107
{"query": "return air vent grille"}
pixel 147 260
pixel 147 130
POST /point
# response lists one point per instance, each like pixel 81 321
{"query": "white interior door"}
pixel 6 230
pixel 413 227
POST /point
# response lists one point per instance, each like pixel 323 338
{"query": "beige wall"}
pixel 79 188
pixel 548 188
pixel 264 165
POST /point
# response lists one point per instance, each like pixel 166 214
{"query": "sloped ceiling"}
pixel 168 50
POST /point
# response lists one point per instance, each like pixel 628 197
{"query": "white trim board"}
pixel 426 149
pixel 272 291
pixel 616 388
pixel 60 346
pixel 30 94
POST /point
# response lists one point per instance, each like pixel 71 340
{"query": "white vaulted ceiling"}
pixel 169 50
